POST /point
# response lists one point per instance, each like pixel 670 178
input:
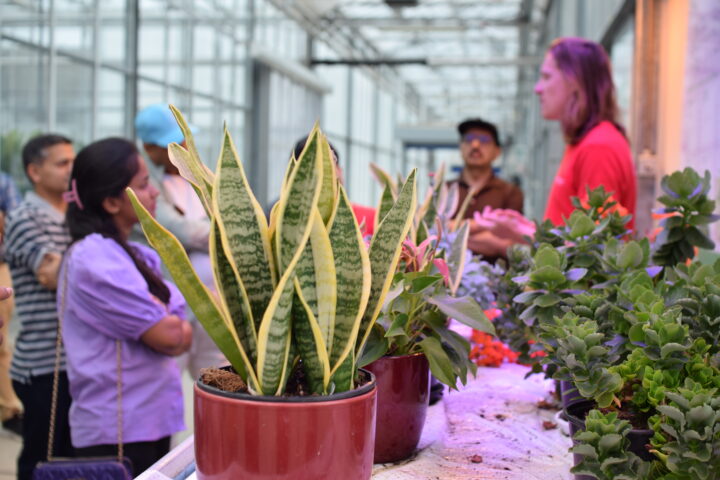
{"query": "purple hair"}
pixel 586 64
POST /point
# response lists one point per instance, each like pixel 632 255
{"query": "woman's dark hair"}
pixel 300 145
pixel 587 65
pixel 102 170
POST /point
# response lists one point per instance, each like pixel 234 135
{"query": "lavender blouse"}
pixel 107 299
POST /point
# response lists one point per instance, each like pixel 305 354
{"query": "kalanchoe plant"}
pixel 688 210
pixel 692 421
pixel 641 340
pixel 582 357
pixel 417 310
pixel 301 292
pixel 548 286
pixel 604 449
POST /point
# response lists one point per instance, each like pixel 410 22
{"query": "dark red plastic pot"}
pixel 403 385
pixel 638 438
pixel 239 436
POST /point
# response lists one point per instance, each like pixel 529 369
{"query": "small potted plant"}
pixel 412 334
pixel 296 301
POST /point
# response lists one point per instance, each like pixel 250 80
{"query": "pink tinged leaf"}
pixel 421 250
pixel 442 267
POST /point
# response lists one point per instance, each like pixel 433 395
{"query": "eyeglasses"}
pixel 483 138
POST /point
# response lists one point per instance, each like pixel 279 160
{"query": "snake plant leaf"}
pixel 194 172
pixel 386 202
pixel 196 294
pixel 325 278
pixel 343 379
pixel 233 297
pixel 182 160
pixel 460 214
pixel 202 176
pixel 316 274
pixel 352 270
pixel 297 205
pixel 243 230
pixel 458 253
pixel 385 179
pixel 384 253
pixel 451 202
pixel 274 336
pixel 310 343
pixel 429 208
pixel 328 191
pixel 295 214
pixel 288 171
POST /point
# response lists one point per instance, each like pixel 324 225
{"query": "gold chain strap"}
pixel 119 400
pixel 56 376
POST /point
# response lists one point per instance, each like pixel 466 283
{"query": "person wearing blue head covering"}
pixel 180 211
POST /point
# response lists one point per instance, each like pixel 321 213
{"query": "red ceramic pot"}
pixel 239 436
pixel 403 385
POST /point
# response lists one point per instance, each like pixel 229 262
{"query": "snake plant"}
pixel 301 290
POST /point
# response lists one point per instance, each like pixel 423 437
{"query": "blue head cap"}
pixel 156 125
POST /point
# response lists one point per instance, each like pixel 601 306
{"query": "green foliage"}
pixel 638 331
pixel 685 198
pixel 422 300
pixel 691 420
pixel 603 446
pixel 301 292
pixel 582 358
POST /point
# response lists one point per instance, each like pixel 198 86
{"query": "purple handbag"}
pixel 99 468
pixel 94 468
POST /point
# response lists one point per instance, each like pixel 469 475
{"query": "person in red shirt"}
pixel 576 89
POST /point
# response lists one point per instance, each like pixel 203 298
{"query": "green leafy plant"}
pixel 692 420
pixel 582 357
pixel 603 446
pixel 689 209
pixel 301 292
pixel 417 310
pixel 641 340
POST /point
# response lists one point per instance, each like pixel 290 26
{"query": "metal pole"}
pixel 52 71
pixel 349 116
pixel 95 70
pixel 132 21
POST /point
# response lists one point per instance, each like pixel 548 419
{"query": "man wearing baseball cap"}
pixel 180 211
pixel 480 146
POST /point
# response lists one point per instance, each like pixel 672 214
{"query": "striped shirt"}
pixel 34 229
pixel 9 199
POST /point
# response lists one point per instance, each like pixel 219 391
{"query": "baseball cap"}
pixel 469 123
pixel 156 125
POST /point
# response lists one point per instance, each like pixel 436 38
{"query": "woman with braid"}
pixel 111 297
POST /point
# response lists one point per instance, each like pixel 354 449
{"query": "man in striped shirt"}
pixel 35 239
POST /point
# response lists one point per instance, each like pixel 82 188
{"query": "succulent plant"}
pixel 692 421
pixel 688 210
pixel 604 448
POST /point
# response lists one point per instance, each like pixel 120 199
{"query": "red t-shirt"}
pixel 368 215
pixel 601 158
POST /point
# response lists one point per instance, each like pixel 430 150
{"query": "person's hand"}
pixel 507 224
pixel 5 293
pixel 47 272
